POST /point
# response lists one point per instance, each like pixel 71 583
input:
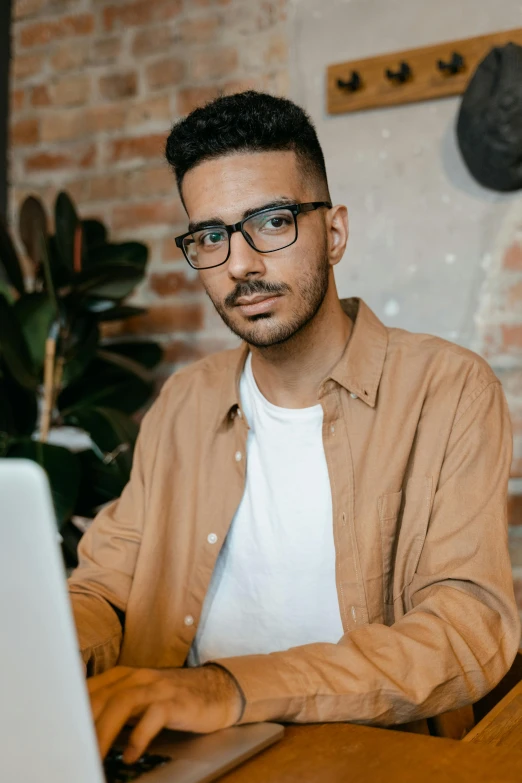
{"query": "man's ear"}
pixel 337 231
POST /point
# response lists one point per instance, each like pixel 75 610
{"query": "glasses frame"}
pixel 295 209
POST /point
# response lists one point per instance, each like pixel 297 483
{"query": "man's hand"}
pixel 202 700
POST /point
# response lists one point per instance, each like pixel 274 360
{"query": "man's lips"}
pixel 261 303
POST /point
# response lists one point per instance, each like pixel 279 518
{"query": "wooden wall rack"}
pixel 412 75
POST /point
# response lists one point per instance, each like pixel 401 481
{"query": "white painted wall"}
pixel 422 231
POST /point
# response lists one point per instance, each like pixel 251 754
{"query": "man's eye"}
pixel 211 238
pixel 276 222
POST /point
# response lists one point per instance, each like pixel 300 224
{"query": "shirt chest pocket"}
pixel 403 517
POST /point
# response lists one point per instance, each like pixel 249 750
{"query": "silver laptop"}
pixel 46 731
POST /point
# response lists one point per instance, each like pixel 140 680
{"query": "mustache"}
pixel 253 288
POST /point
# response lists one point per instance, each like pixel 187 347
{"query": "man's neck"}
pixel 289 375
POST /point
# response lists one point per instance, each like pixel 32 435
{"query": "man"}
pixel 315 525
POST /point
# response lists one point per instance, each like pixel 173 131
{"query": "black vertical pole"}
pixel 5 54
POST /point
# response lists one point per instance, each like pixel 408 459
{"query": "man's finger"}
pixel 120 707
pixel 151 723
pixel 110 677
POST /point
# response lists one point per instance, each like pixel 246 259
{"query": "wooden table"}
pixel 503 725
pixel 344 753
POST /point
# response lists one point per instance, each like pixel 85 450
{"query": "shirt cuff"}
pixel 269 687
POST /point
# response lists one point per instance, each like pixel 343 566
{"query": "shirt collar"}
pixel 358 370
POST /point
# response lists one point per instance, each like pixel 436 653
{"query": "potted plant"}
pixel 67 395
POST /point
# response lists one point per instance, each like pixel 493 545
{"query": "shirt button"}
pixel 238 456
pixel 354 396
pixel 239 413
pixel 189 620
pixel 211 538
pixel 332 429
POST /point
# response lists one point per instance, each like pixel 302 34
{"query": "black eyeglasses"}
pixel 268 230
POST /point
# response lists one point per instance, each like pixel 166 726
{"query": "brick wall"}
pixel 96 85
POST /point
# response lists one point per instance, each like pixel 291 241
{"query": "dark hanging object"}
pixel 489 125
pixel 400 76
pixel 454 66
pixel 353 85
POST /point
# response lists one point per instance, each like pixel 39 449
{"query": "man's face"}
pixel 297 276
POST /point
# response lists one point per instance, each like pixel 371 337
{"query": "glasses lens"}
pixel 208 247
pixel 271 230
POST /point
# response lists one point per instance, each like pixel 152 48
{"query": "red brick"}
pixel 151 213
pixel 140 13
pixel 118 85
pixel 17 100
pixel 192 97
pixel 150 146
pixel 24 8
pixel 164 319
pixel 105 51
pixel 169 250
pixel 42 33
pixel 40 96
pixel 165 73
pixel 71 91
pixel 82 157
pixel 512 336
pixel 70 125
pixel 199 31
pixel 155 181
pixel 172 283
pixel 70 54
pixel 513 257
pixel 214 64
pixel 26 65
pixel 154 40
pixel 24 132
pixel 155 109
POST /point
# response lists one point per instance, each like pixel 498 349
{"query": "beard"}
pixel 265 330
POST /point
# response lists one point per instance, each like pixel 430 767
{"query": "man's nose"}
pixel 244 260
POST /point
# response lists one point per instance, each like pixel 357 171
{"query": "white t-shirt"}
pixel 273 585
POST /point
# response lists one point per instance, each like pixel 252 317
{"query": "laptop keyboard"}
pixel 118 772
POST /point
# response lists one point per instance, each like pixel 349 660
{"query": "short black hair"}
pixel 248 121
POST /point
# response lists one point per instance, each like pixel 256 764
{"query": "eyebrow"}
pixel 217 221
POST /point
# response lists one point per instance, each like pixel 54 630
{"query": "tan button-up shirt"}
pixel 418 442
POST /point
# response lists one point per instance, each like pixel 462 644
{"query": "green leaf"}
pixel 100 483
pixel 66 221
pixel 9 259
pixel 111 282
pixel 6 291
pixel 62 468
pixel 110 430
pixel 148 354
pixel 18 408
pixel 80 348
pixel 94 235
pixel 13 348
pixel 124 253
pixel 105 385
pixel 32 226
pixel 36 313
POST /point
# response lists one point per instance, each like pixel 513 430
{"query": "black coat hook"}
pixel 454 66
pixel 400 76
pixel 353 85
